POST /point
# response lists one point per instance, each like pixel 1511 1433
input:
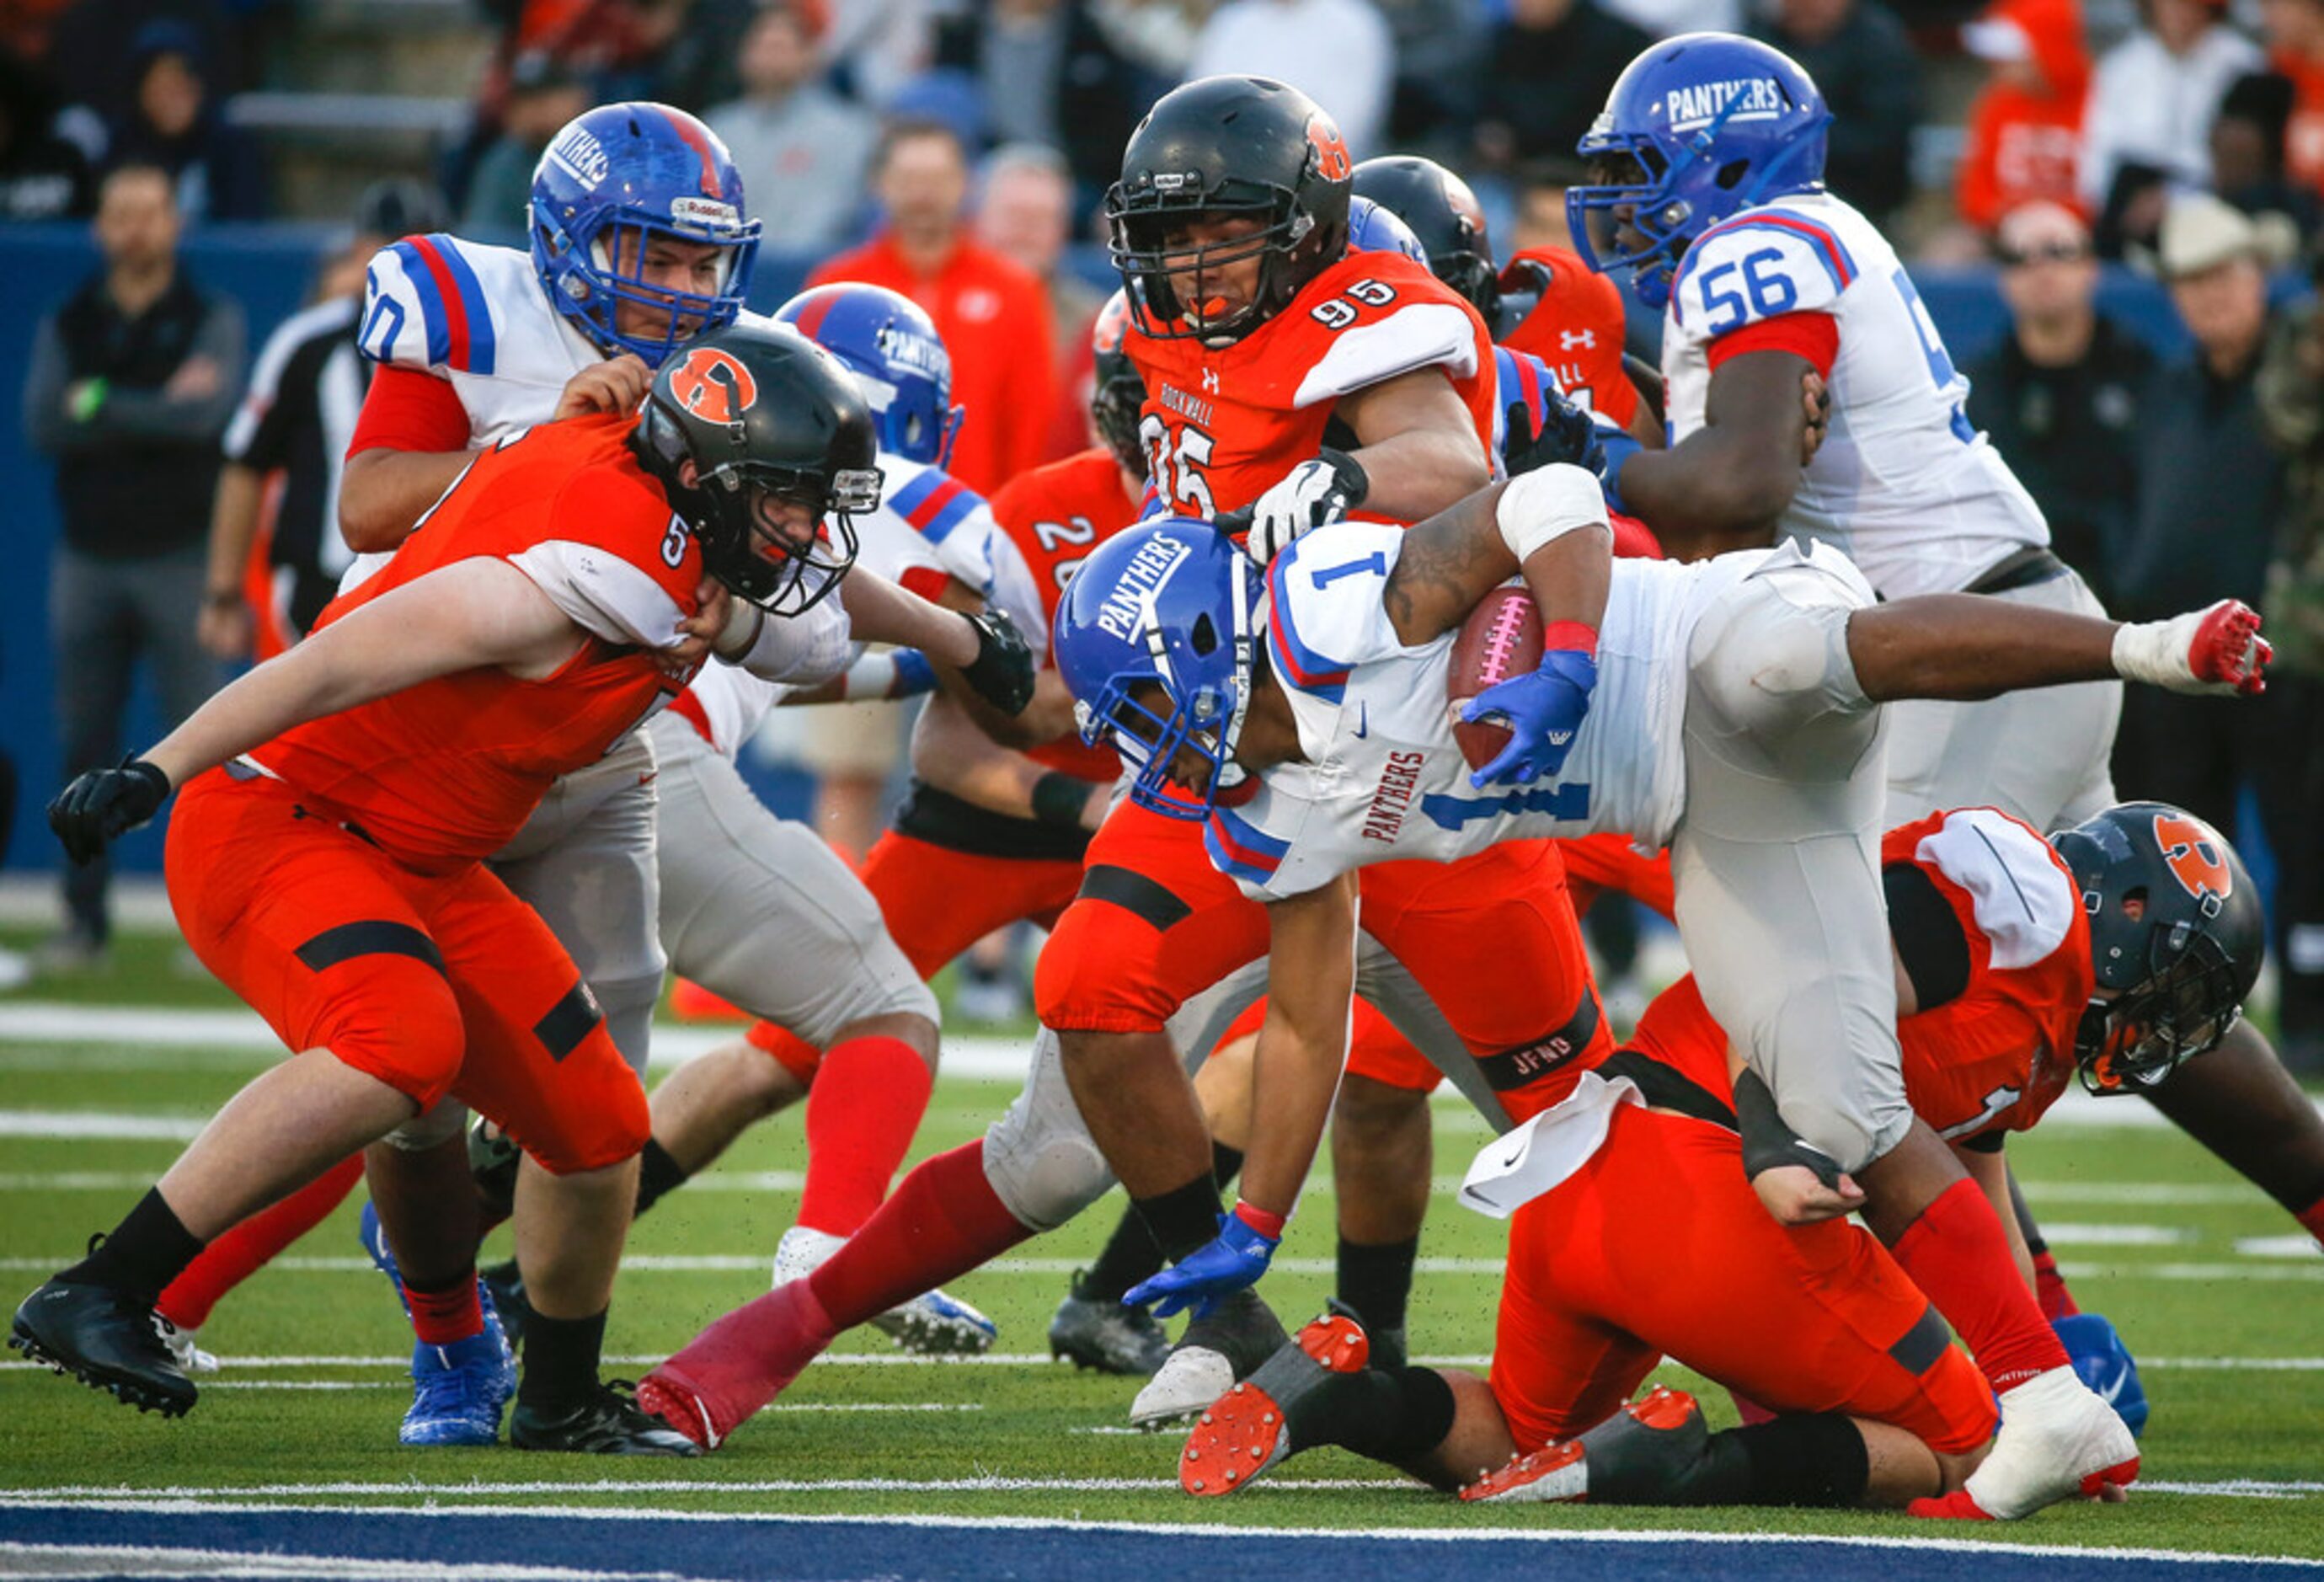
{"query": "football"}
pixel 1501 638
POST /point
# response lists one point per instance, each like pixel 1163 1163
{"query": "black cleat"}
pixel 1231 1344
pixel 505 1283
pixel 105 1338
pixel 1096 1331
pixel 610 1423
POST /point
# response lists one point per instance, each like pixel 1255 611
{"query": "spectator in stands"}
pixel 878 46
pixel 2026 126
pixel 2060 395
pixel 801 149
pixel 293 426
pixel 2291 777
pixel 1049 74
pixel 130 381
pixel 2210 492
pixel 2248 150
pixel 543 95
pixel 1548 68
pixel 1861 58
pixel 1339 53
pixel 1025 212
pixel 41 175
pixel 177 124
pixel 992 313
pixel 2155 95
pixel 1440 47
pixel 2294 31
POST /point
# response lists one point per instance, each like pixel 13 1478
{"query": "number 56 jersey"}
pixel 1903 485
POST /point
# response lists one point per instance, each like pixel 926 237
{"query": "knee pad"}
pixel 1044 1175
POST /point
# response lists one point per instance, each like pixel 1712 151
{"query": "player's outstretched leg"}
pixel 1249 1429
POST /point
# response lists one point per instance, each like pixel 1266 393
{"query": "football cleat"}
pixel 2058 1441
pixel 1644 1454
pixel 373 1237
pixel 457 1391
pixel 1098 1332
pixel 191 1358
pixel 609 1423
pixel 106 1340
pixel 1248 1429
pixel 1237 1337
pixel 738 1364
pixel 929 1325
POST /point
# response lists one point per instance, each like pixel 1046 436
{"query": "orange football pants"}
pixel 432 983
pixel 1657 1247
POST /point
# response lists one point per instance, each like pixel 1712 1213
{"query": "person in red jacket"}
pixel 2026 127
pixel 992 314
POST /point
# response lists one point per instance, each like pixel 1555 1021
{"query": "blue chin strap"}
pixel 1658 212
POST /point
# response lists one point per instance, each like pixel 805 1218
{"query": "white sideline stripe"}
pixel 100 1125
pixel 2144 1194
pixel 2296 1245
pixel 1238 1534
pixel 2243 1489
pixel 2066 1235
pixel 62 1560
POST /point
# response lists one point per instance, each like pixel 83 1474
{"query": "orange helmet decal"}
pixel 2194 859
pixel 713 385
pixel 1332 161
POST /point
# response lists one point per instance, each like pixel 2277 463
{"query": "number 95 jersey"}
pixel 1222 426
pixel 1903 485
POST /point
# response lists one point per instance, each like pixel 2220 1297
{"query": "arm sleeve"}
pixel 153 414
pixel 407 409
pixel 1812 336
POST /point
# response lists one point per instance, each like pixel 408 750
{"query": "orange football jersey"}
pixel 1577 328
pixel 1220 427
pixel 447 771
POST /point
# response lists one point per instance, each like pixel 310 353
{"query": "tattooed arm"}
pixel 1455 557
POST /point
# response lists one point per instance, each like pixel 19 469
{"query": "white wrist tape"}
pixel 2156 652
pixel 1546 503
pixel 743 620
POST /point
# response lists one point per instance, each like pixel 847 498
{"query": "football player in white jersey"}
pixel 1707 185
pixel 1734 718
pixel 638 243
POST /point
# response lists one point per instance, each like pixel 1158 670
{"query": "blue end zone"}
pixel 608 1543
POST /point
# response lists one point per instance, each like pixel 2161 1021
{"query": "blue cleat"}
pixel 457 1391
pixel 375 1246
pixel 2104 1362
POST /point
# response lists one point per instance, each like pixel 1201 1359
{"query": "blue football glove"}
pixel 2105 1364
pixel 1615 446
pixel 1544 710
pixel 1232 1262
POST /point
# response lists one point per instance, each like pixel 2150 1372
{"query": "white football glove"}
pixel 1309 496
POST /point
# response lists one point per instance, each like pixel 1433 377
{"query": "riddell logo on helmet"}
pixel 1332 160
pixel 2194 860
pixel 707 213
pixel 1691 108
pixel 714 386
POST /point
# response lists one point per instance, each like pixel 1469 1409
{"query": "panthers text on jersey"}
pixel 1222 426
pixel 447 771
pixel 1903 485
pixel 1382 778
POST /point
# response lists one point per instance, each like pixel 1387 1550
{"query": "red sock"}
pixel 2050 1287
pixel 944 1220
pixel 1956 1253
pixel 868 1098
pixel 450 1316
pixel 234 1257
pixel 2312 1217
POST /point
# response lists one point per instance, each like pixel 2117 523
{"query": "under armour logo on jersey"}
pixel 1332 160
pixel 1568 340
pixel 713 385
pixel 1211 380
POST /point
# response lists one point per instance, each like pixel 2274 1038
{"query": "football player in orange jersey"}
pixel 2122 949
pixel 326 857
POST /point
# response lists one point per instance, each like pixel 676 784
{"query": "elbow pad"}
pixel 1544 505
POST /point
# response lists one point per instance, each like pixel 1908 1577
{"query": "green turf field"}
pixel 2210 1283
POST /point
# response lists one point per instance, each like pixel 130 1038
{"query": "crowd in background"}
pixel 957 148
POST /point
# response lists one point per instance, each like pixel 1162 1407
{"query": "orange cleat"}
pixel 1248 1429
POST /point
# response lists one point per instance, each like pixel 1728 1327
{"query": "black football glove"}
pixel 1003 671
pixel 102 805
pixel 1568 433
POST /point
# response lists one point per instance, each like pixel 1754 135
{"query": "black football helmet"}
pixel 1218 148
pixel 1446 216
pixel 2177 935
pixel 1118 393
pixel 766 417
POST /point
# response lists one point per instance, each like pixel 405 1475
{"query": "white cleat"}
pixel 929 1325
pixel 1189 1379
pixel 2059 1440
pixel 191 1358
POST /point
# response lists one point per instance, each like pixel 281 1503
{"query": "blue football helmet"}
pixel 1373 228
pixel 611 181
pixel 1167 609
pixel 895 354
pixel 1698 127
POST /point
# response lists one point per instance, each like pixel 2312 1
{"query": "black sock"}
pixel 1182 1218
pixel 1129 1256
pixel 1376 1281
pixel 147 1249
pixel 560 1363
pixel 1804 1458
pixel 658 1173
pixel 1393 1416
pixel 1226 1163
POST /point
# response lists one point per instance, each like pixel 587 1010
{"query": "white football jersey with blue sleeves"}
pixel 1903 485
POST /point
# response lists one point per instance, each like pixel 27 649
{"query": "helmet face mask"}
pixel 785 537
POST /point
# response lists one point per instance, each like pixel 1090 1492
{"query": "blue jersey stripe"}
pixel 433 319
